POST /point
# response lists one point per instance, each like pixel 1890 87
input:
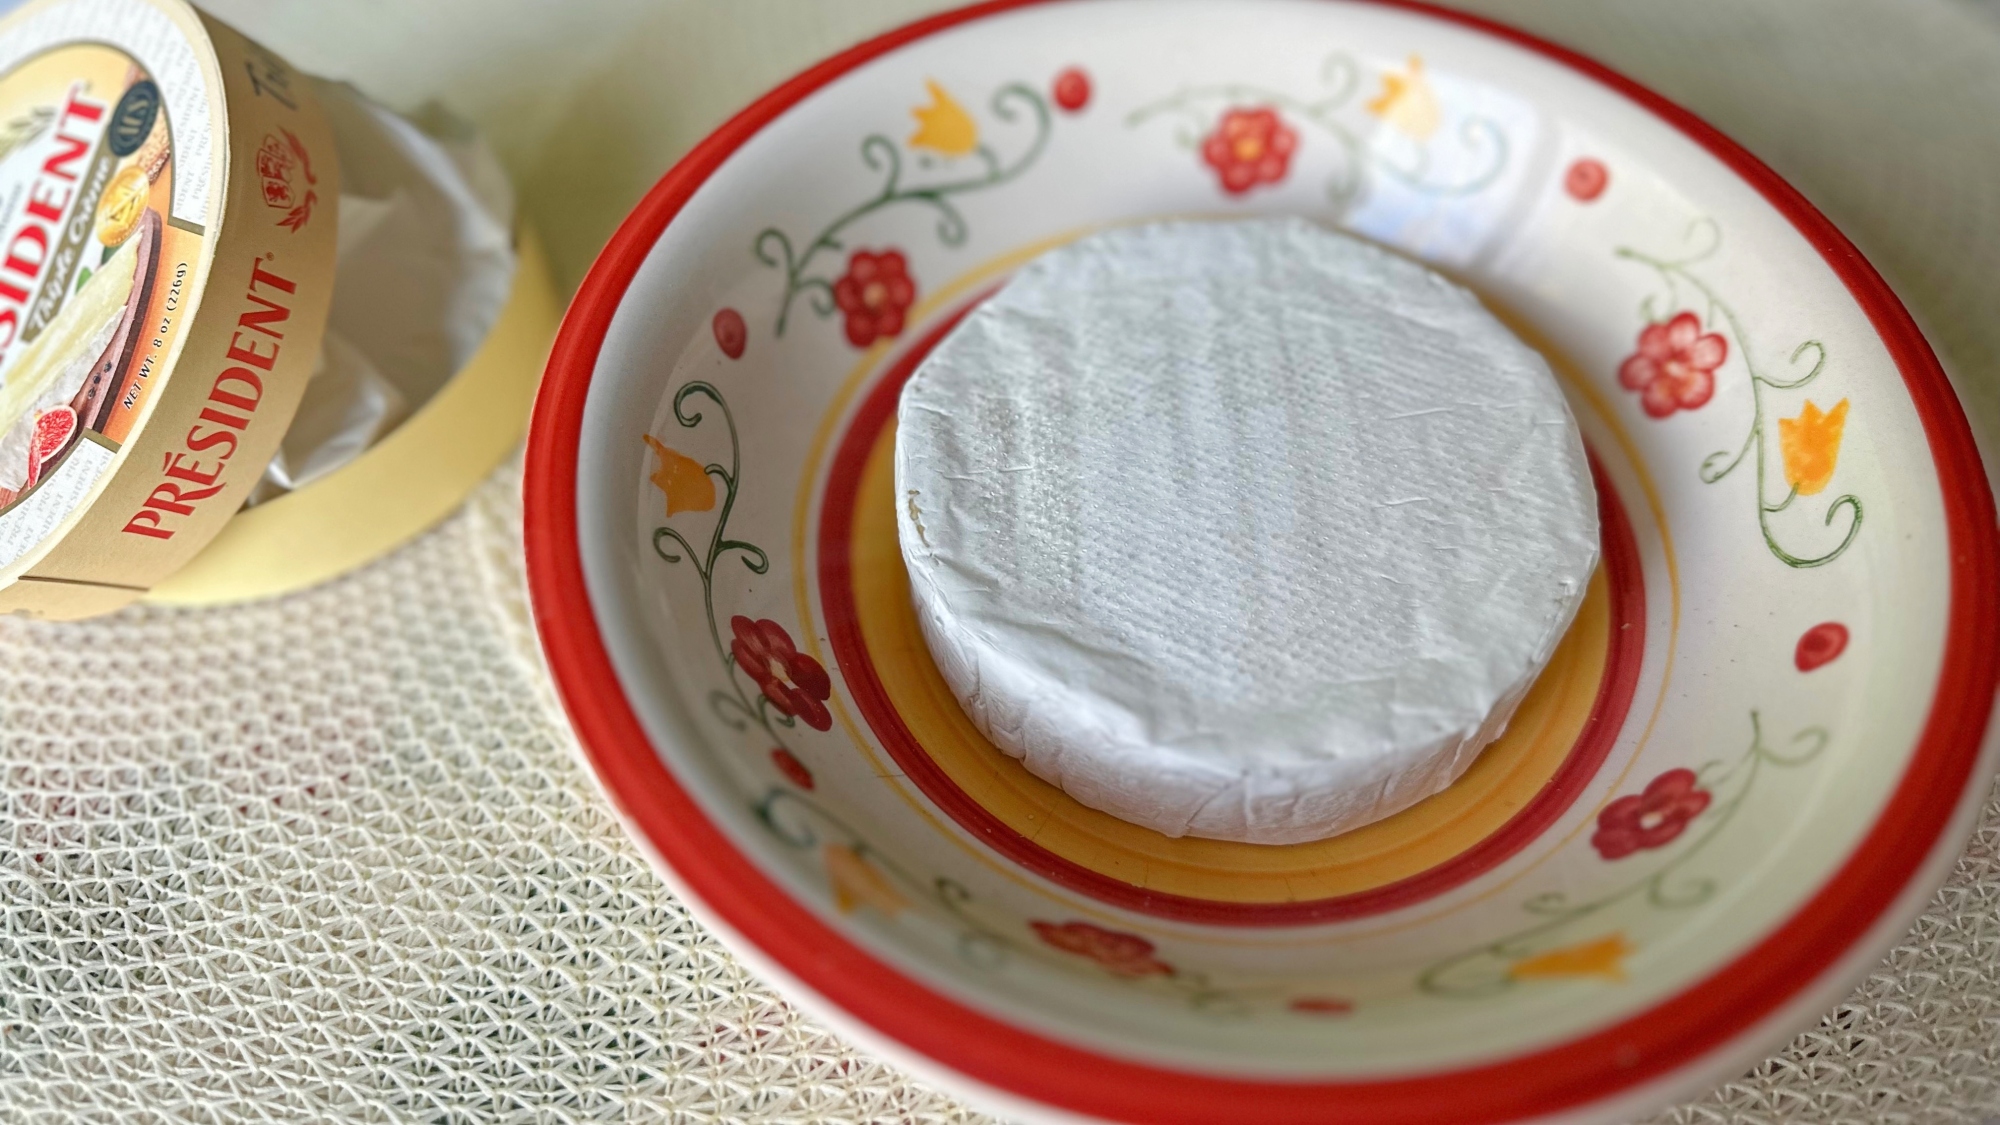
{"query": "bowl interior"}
pixel 1725 724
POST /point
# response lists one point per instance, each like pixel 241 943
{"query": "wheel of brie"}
pixel 1243 530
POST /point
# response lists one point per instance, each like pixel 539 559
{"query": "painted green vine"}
pixel 803 823
pixel 735 706
pixel 1198 109
pixel 1674 273
pixel 774 248
pixel 1494 967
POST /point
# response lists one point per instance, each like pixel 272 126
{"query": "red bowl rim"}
pixel 1706 1017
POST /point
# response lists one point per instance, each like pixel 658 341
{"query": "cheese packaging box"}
pixel 168 197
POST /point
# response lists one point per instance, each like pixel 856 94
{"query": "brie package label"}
pixel 93 267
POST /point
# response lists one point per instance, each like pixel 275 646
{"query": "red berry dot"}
pixel 1072 90
pixel 1822 644
pixel 1322 1006
pixel 794 770
pixel 1586 179
pixel 730 332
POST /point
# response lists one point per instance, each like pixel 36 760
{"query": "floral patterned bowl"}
pixel 1741 775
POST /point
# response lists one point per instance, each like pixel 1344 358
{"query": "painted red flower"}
pixel 794 770
pixel 793 682
pixel 1586 179
pixel 1072 90
pixel 1820 645
pixel 1127 955
pixel 1674 368
pixel 1650 819
pixel 1250 147
pixel 875 293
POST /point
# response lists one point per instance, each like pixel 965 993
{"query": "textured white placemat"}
pixel 330 858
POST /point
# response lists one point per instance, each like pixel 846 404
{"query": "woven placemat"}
pixel 332 859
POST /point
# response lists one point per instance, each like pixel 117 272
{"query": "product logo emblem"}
pixel 132 121
pixel 286 169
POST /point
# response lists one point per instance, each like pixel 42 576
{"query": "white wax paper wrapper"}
pixel 424 263
pixel 1245 530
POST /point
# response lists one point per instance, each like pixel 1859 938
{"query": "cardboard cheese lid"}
pixel 168 195
pixel 402 485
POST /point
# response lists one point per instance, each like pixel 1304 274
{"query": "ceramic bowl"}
pixel 1751 760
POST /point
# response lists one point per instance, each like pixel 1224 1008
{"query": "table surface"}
pixel 332 858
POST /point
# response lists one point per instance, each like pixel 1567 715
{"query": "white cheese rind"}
pixel 1244 530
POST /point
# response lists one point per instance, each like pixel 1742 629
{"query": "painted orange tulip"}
pixel 1811 446
pixel 1601 957
pixel 686 484
pixel 856 883
pixel 1408 102
pixel 944 126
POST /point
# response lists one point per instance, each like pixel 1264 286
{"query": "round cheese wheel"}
pixel 1244 530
